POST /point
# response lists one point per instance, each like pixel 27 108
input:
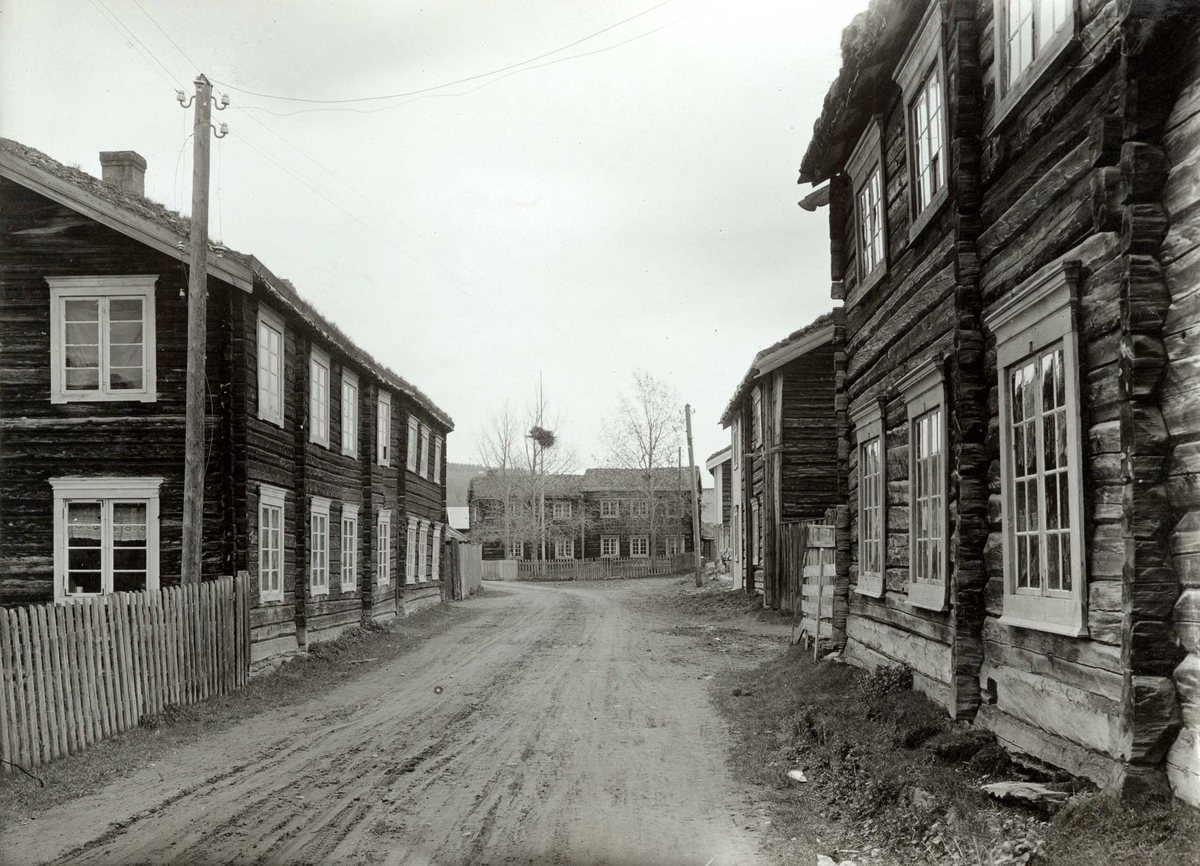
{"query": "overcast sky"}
pixel 635 208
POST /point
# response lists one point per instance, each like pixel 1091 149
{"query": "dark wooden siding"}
pixel 809 479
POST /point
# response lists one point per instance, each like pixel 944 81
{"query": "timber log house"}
pixel 600 514
pixel 783 423
pixel 307 486
pixel 1014 214
pixel 718 465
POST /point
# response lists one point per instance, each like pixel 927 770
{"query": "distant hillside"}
pixel 458 479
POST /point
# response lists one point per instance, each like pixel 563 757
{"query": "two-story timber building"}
pixel 1014 217
pixel 325 473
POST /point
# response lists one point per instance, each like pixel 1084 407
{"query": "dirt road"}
pixel 573 727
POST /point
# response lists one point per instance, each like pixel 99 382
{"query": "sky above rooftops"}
pixel 631 209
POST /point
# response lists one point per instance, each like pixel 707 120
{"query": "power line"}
pixel 486 83
pixel 449 83
pixel 126 34
pixel 168 35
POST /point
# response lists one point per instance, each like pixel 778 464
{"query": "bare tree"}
pixel 643 434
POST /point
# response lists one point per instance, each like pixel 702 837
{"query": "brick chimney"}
pixel 124 168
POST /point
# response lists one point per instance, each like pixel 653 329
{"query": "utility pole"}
pixel 687 409
pixel 193 459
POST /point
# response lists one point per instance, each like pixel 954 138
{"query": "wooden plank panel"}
pixel 56 672
pixel 36 684
pixel 50 683
pixel 129 654
pixel 148 642
pixel 91 727
pixel 175 640
pixel 103 686
pixel 8 722
pixel 110 670
pixel 70 679
pixel 27 732
pixel 112 612
pixel 160 619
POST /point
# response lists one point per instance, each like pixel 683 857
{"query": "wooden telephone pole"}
pixel 687 411
pixel 193 459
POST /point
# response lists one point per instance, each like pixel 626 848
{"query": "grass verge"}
pixel 297 680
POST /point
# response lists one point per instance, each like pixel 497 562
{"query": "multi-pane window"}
pixel 610 547
pixel 735 527
pixel 516 550
pixel 102 338
pixel 674 545
pixel 928 496
pixel 423 467
pixel 318 398
pixel 383 430
pixel 412 443
pixel 270 367
pixel 1041 453
pixel 870 504
pixel 926 124
pixel 383 548
pixel 410 553
pixel 610 508
pixel 1040 461
pixel 870 224
pixel 756 417
pixel 639 508
pixel 106 533
pixel 924 394
pixel 562 510
pixel 423 552
pixel 437 459
pixel 564 548
pixel 318 546
pixel 270 543
pixel 436 557
pixel 1029 26
pixel 754 542
pixel 639 545
pixel 349 548
pixel 349 413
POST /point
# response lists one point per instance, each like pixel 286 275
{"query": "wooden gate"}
pixel 808 566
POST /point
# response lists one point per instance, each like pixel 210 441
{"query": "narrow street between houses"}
pixel 566 724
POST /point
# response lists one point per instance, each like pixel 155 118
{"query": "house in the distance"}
pixel 784 427
pixel 718 465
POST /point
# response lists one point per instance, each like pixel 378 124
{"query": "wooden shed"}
pixel 302 484
pixel 1019 523
pixel 783 424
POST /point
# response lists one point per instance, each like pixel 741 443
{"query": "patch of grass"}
pixel 297 680
pixel 718 600
pixel 891 779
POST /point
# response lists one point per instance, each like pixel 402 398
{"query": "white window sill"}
pixel 319 593
pixel 274 422
pixel 1042 625
pixel 98 397
pixel 931 212
pixel 270 599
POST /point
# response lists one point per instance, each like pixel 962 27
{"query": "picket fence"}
pixel 604 569
pixel 74 674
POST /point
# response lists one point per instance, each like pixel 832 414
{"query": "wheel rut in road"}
pixel 565 733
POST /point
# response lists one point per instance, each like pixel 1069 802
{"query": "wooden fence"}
pixel 464 570
pixel 499 569
pixel 605 569
pixel 73 674
pixel 808 567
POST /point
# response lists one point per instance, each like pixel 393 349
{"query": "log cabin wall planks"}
pixel 1075 176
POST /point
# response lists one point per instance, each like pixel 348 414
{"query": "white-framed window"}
pixel 270 366
pixel 423 468
pixel 755 544
pixel 674 545
pixel 410 552
pixel 921 75
pixel 318 546
pixel 349 413
pixel 564 548
pixel 1041 455
pixel 423 552
pixel 516 550
pixel 436 556
pixel 349 548
pixel 437 459
pixel 865 169
pixel 318 398
pixel 1030 34
pixel 270 542
pixel 105 536
pixel 924 394
pixel 867 418
pixel 102 340
pixel 735 527
pixel 735 437
pixel 383 430
pixel 639 508
pixel 610 508
pixel 639 545
pixel 610 547
pixel 562 510
pixel 383 547
pixel 413 426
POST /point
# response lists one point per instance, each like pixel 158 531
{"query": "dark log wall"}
pixel 626 524
pixel 1180 259
pixel 809 480
pixel 382 487
pixel 40 440
pixel 423 498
